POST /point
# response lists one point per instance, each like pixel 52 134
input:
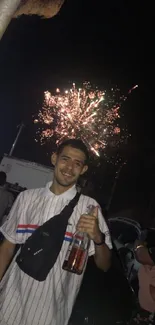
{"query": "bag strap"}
pixel 71 205
pixel 65 213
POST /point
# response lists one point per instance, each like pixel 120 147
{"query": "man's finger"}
pixel 87 218
pixel 86 223
pixel 94 212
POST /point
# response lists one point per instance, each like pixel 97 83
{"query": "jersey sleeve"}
pixel 16 216
pixel 104 229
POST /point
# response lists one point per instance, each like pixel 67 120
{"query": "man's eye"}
pixel 78 164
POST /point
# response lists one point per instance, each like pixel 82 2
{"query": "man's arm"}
pixel 6 253
pixel 102 256
pixel 90 225
pixel 142 254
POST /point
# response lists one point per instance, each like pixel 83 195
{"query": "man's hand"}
pixel 88 223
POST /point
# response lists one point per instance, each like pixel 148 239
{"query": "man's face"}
pixel 69 165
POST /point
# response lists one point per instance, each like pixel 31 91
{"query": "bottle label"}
pixel 76 259
pixel 77 253
pixel 83 260
pixel 68 252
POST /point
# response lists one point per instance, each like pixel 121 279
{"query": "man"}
pixel 23 299
pixel 6 198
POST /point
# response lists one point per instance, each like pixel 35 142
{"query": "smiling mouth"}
pixel 66 174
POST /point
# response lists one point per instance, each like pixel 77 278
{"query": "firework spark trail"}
pixel 89 114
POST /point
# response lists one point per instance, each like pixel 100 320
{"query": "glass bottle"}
pixel 77 253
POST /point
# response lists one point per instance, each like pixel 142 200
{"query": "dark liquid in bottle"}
pixel 76 261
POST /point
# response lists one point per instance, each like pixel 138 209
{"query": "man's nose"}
pixel 70 165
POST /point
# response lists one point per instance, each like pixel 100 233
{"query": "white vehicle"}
pixel 26 174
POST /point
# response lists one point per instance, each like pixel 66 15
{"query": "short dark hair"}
pixel 74 143
pixel 2 178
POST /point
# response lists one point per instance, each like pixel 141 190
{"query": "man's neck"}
pixel 58 189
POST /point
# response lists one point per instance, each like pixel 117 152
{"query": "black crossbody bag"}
pixel 40 251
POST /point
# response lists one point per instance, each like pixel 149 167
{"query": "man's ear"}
pixel 54 159
pixel 85 168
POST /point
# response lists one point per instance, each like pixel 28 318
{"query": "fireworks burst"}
pixel 89 114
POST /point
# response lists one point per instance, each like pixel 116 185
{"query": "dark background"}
pixel 107 43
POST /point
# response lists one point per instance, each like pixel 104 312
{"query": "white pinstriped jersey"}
pixel 23 300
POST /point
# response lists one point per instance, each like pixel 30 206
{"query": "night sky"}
pixel 107 45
